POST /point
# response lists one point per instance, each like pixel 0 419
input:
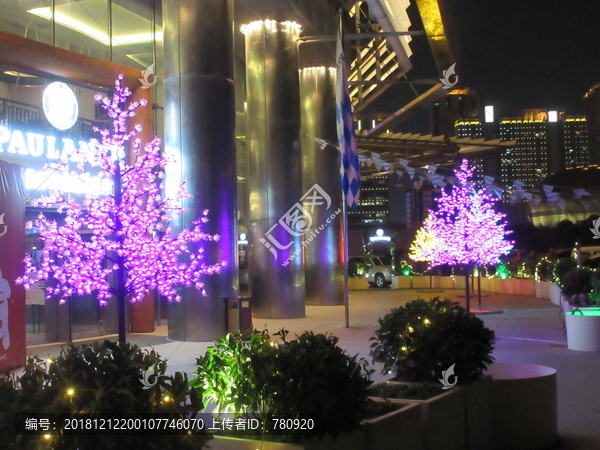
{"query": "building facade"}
pixel 547 142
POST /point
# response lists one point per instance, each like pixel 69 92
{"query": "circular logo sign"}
pixel 60 105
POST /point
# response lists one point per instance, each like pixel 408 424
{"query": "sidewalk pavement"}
pixel 528 330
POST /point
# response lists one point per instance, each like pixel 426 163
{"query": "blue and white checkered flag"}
pixel 349 167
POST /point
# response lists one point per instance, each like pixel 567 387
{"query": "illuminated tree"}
pixel 463 230
pixel 132 247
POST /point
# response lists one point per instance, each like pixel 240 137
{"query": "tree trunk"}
pixel 120 278
pixel 467 287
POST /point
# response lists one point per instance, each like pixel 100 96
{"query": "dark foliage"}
pixel 418 341
pixel 103 378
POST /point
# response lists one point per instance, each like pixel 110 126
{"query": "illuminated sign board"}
pixel 39 145
pixel 60 105
pixel 33 150
pixel 380 237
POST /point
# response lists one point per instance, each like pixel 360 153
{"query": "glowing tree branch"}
pixel 464 229
pixel 129 231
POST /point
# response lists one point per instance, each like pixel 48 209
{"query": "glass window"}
pixel 27 18
pixel 82 26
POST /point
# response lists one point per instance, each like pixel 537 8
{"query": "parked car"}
pixel 378 269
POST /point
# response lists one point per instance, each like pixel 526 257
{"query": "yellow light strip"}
pixel 92 32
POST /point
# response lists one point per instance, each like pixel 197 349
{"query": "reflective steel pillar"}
pixel 275 178
pixel 323 260
pixel 199 129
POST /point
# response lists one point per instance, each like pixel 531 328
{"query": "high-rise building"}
pixel 547 142
pixel 459 104
pixel 591 102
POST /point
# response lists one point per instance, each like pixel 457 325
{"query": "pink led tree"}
pixel 132 247
pixel 463 230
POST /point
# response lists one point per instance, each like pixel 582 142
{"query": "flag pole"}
pixel 345 239
pixel 344 206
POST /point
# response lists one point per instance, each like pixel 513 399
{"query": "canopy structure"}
pixel 422 150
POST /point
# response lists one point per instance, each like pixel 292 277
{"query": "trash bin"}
pixel 239 315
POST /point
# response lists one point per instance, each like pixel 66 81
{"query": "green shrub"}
pixel 418 341
pixel 563 265
pixel 103 378
pixel 577 281
pixel 310 375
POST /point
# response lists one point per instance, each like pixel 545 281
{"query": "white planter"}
pixel 583 331
pixel 525 406
pixel 542 289
pixel 555 294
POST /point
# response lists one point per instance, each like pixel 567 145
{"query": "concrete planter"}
pixel 485 284
pixel 583 330
pixel 401 282
pixel 479 404
pixel 444 282
pixel 421 282
pixel 494 285
pixel 523 286
pixel 398 428
pixel 382 433
pixel 442 419
pixel 506 286
pixel 525 406
pixel 358 284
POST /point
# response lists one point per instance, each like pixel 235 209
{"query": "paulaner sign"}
pixel 40 146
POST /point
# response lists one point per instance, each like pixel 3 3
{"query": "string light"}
pixel 130 229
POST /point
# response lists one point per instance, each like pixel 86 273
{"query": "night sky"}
pixel 516 54
pixel 528 53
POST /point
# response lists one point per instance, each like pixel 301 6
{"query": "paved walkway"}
pixel 528 330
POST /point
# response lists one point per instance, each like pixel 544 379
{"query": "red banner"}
pixel 12 253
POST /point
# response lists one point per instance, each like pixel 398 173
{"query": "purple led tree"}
pixel 463 230
pixel 132 247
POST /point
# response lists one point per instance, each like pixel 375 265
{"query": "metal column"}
pixel 199 129
pixel 275 179
pixel 324 265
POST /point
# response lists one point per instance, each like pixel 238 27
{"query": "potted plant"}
pixel 576 285
pixel 306 377
pixel 102 378
pixel 428 342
